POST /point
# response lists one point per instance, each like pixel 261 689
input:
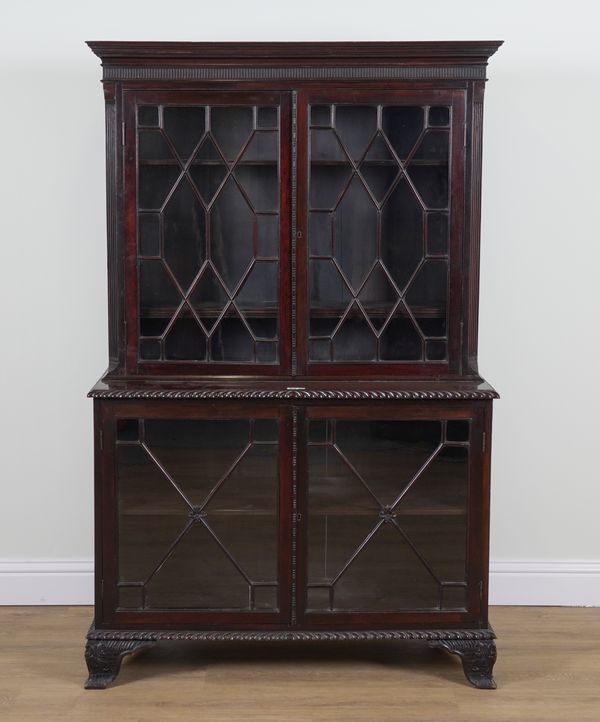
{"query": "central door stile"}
pixel 294 229
pixel 298 514
pixel 294 513
pixel 298 531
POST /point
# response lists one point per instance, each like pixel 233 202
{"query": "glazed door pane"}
pixel 380 209
pixel 208 221
pixel 387 515
pixel 198 514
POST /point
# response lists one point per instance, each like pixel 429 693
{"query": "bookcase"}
pixel 292 438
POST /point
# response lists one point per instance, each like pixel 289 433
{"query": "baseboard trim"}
pixel 46 582
pixel 561 583
pixel 569 583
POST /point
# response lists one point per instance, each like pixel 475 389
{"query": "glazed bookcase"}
pixel 292 439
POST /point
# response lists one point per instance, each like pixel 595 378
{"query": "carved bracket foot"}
pixel 477 656
pixel 104 657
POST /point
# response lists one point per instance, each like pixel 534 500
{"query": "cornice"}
pixel 326 51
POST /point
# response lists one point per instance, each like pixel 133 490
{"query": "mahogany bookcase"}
pixel 292 439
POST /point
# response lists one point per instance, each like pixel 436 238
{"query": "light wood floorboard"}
pixel 548 669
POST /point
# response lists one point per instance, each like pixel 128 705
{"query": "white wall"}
pixel 540 338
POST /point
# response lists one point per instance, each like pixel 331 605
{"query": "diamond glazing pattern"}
pixel 379 215
pixel 208 233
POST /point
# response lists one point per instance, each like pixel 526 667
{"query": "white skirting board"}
pixel 512 582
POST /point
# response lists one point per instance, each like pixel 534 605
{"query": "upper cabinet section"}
pixel 293 209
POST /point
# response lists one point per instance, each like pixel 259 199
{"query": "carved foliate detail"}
pixel 334 395
pixel 387 514
pixel 196 514
pixel 104 656
pixel 444 635
pixel 478 657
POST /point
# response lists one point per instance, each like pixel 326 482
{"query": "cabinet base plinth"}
pixel 106 648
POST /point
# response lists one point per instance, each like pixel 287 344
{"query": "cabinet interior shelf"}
pixel 271 311
pixel 430 510
pixel 213 163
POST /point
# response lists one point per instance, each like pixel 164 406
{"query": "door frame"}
pixel 456 98
pixel 477 523
pixel 132 97
pixel 108 615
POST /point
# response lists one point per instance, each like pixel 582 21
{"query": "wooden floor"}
pixel 548 669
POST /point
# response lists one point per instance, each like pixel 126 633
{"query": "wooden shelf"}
pixel 378 163
pixel 212 163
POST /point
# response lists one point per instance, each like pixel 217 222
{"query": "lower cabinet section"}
pixel 291 520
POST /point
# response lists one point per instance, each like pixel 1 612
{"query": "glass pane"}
pixel 150 513
pixel 427 297
pixel 400 339
pixel 208 171
pixel 185 340
pixel 263 148
pixel 320 234
pixel 208 213
pixel 184 127
pixel 320 115
pixel 378 297
pixel 232 339
pixel 402 234
pixel 150 349
pixel 375 231
pixel 148 115
pixel 386 576
pixel 330 169
pixel 267 241
pixel 402 127
pixel 153 146
pixel 439 115
pixel 431 182
pixel 209 299
pixel 384 452
pixel 355 234
pixel 198 514
pixel 355 126
pixel 437 234
pixel 155 184
pixel 265 598
pixel 267 118
pixel 130 597
pixel 260 184
pixel 250 536
pixel 454 597
pixel 434 146
pixel 354 339
pixel 184 231
pixel 158 293
pixel 149 234
pixel 231 128
pixel 232 230
pixel 387 508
